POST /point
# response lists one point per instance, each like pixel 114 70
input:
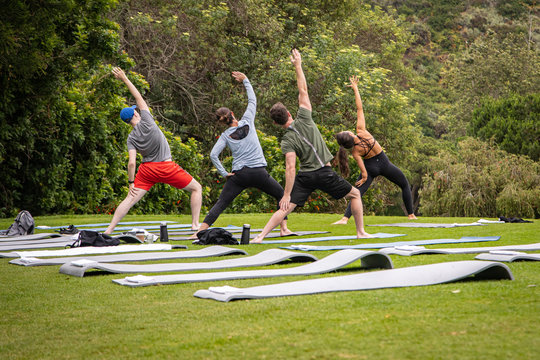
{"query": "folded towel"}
pixel 83 262
pixel 139 279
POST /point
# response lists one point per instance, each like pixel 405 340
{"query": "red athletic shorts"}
pixel 167 172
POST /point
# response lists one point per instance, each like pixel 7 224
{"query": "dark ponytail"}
pixel 345 141
pixel 224 116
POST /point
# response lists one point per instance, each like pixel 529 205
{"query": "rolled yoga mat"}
pixel 92 250
pixel 188 254
pixel 335 261
pixel 268 257
pixel 428 225
pixel 420 250
pixel 508 256
pixel 465 239
pixel 403 277
pixel 330 238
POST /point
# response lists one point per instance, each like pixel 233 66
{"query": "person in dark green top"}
pixel 303 139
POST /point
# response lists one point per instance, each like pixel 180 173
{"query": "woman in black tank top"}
pixel 370 157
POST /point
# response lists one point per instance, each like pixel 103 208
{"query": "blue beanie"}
pixel 127 113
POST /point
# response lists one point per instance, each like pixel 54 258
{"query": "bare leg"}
pixel 358 213
pixel 134 195
pixel 196 201
pixel 274 221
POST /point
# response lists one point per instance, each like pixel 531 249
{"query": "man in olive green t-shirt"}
pixel 303 139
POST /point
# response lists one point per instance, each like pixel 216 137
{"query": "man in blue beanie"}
pixel 157 165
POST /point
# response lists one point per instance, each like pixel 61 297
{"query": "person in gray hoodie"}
pixel 249 165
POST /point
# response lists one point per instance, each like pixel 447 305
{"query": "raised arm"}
pixel 119 74
pixel 303 96
pixel 360 120
pixel 251 109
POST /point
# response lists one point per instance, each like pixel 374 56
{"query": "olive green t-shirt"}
pixel 294 142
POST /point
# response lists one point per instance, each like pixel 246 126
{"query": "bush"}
pixel 480 180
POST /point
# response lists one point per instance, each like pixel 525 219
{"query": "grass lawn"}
pixel 45 314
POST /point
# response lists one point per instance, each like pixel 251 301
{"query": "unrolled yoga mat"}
pixel 410 276
pixel 268 257
pixel 181 231
pixel 29 237
pixel 332 262
pixel 252 235
pixel 58 243
pixel 428 225
pixel 465 239
pixel 92 250
pixel 188 254
pixel 107 224
pixel 420 250
pixel 151 227
pixel 508 256
pixel 330 238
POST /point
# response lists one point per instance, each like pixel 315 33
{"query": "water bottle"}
pixel 163 234
pixel 245 234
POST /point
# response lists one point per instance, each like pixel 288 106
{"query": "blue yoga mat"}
pixel 464 239
pixel 105 224
pixel 329 238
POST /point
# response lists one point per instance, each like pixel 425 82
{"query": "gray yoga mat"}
pixel 410 276
pixel 57 243
pixel 188 254
pixel 500 256
pixel 330 238
pixel 268 257
pixel 427 225
pixel 106 224
pixel 28 237
pixel 465 239
pixel 412 250
pixel 151 227
pixel 332 262
pixel 252 235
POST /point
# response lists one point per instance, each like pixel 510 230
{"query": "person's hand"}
pixel 229 175
pixel 238 76
pixel 285 202
pixel 119 73
pixel 296 58
pixel 360 182
pixel 354 81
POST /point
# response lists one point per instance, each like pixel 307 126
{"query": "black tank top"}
pixel 365 144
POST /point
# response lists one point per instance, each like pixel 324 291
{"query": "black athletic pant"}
pixel 247 177
pixel 381 165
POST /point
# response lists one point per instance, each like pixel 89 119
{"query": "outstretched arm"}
pixel 303 96
pixel 360 120
pixel 251 110
pixel 119 74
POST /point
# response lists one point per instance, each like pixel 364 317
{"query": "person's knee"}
pixel 353 194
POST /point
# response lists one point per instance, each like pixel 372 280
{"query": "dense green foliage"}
pixel 425 68
pixel 513 122
pixel 480 180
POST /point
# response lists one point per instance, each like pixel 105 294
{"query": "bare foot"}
pixel 286 232
pixel 195 227
pixel 256 240
pixel 193 237
pixel 362 235
pixel 342 221
pixel 412 217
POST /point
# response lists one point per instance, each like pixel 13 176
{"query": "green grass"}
pixel 45 314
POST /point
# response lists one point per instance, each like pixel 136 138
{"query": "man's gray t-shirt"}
pixel 148 140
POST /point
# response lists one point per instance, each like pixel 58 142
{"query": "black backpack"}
pixel 216 236
pixel 94 238
pixel 23 225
